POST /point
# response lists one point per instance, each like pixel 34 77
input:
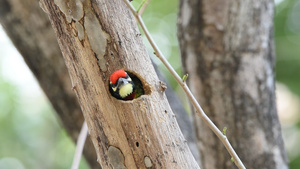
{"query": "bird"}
pixel 124 87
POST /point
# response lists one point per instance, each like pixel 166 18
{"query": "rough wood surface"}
pixel 96 39
pixel 36 41
pixel 30 30
pixel 227 50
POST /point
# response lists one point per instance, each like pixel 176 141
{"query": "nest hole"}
pixel 140 81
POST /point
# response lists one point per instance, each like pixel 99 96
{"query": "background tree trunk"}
pixel 30 30
pixel 95 43
pixel 227 50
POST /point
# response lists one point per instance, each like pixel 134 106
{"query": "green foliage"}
pixel 30 134
pixel 160 18
pixel 295 163
pixel 287 41
pixel 184 78
pixel 224 131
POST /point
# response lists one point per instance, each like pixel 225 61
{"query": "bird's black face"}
pixel 123 87
pixel 121 82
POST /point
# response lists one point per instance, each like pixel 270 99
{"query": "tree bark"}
pixel 227 50
pixel 30 30
pixel 183 118
pixel 33 36
pixel 96 39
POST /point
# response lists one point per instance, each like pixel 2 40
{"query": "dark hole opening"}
pixel 137 144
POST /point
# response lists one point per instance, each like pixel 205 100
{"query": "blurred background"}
pixel 31 135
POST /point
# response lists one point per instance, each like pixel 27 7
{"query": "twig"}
pixel 189 94
pixel 143 6
pixel 79 146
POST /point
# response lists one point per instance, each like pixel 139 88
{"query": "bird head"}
pixel 121 85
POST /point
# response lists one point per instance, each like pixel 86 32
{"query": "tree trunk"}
pixel 33 36
pixel 30 30
pixel 227 50
pixel 96 39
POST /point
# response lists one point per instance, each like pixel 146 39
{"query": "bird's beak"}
pixel 121 82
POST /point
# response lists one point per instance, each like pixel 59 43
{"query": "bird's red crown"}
pixel 116 75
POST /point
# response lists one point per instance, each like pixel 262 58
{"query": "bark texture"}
pixel 183 118
pixel 30 30
pixel 96 39
pixel 227 50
